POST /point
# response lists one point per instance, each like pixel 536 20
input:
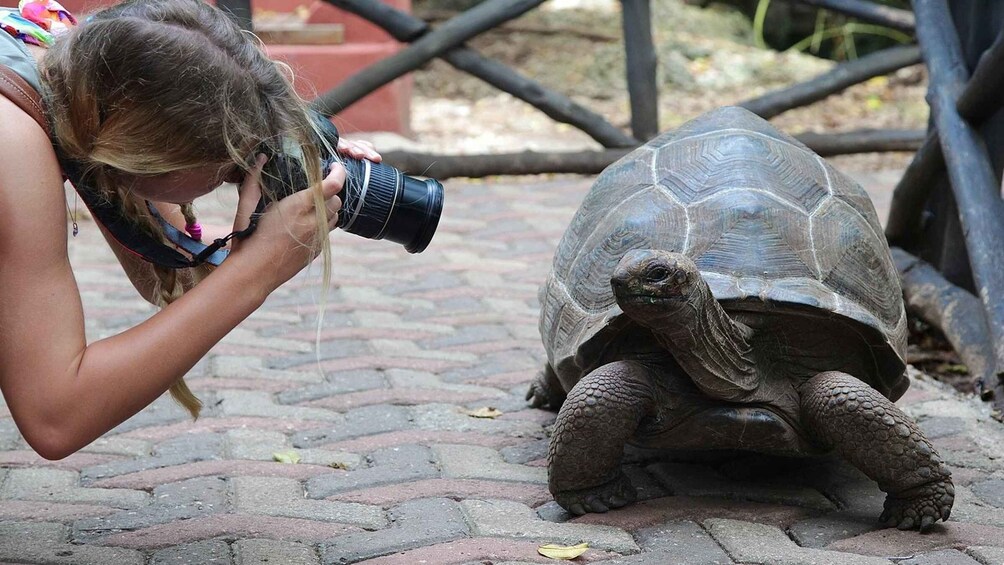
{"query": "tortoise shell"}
pixel 771 226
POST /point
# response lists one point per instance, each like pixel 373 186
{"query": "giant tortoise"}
pixel 724 287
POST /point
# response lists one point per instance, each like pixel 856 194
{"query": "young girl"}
pixel 160 100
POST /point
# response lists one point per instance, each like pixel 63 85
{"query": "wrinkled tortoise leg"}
pixel 602 412
pixel 847 415
pixel 545 390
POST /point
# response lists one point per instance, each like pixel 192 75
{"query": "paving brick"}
pixel 752 543
pixel 148 480
pixel 228 526
pixel 531 495
pixel 210 552
pixel 45 543
pixel 262 445
pixel 653 512
pixel 970 508
pixel 214 424
pixel 411 528
pixel 948 535
pixel 61 486
pixel 174 451
pixel 480 551
pixel 676 542
pixel 247 366
pixel 696 480
pixel 271 552
pixel 363 421
pixel 475 462
pixel 401 396
pixel 335 383
pixel 987 555
pixel 525 452
pixel 263 405
pixel 176 501
pixel 118 445
pixel 374 442
pixel 452 418
pixel 284 497
pixel 75 462
pixel 392 465
pixel 942 557
pixel 991 492
pixel 821 531
pixel 503 518
pixel 33 510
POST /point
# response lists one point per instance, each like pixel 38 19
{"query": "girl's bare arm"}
pixel 62 392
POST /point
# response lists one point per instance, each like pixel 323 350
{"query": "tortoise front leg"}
pixel 545 390
pixel 845 414
pixel 601 413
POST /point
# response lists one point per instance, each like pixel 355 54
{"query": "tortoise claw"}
pixel 926 522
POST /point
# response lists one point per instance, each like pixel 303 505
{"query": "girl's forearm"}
pixel 118 376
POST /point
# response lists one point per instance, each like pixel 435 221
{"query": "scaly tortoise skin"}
pixel 723 287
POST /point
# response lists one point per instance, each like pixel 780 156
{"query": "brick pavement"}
pixel 394 466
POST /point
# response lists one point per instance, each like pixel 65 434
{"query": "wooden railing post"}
pixel 641 68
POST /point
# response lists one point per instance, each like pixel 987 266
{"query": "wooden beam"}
pixel 980 100
pixel 641 65
pixel 839 78
pixel 871 12
pixel 974 184
pixel 593 162
pixel 451 34
pixel 405 27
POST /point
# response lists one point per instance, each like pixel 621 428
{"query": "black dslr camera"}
pixel 378 201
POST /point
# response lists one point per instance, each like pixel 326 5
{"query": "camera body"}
pixel 378 200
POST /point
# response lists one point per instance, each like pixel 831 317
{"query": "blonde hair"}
pixel 149 87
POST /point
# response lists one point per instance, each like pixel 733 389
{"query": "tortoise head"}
pixel 651 284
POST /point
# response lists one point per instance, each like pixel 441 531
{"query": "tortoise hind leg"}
pixel 602 412
pixel 845 414
pixel 545 390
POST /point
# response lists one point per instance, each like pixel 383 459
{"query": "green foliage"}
pixel 834 36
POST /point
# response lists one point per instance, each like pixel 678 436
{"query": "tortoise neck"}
pixel 711 347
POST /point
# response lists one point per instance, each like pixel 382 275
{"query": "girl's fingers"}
pixel 250 194
pixel 359 150
pixel 332 184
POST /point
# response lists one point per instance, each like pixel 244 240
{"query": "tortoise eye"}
pixel 656 274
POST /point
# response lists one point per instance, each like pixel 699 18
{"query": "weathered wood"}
pixel 953 311
pixel 912 191
pixel 982 96
pixel 593 162
pixel 974 184
pixel 641 66
pixel 525 163
pixel 839 78
pixel 862 141
pixel 405 28
pixel 451 34
pixel 871 12
pixel 980 100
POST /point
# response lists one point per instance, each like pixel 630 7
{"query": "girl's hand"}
pixel 358 150
pixel 286 238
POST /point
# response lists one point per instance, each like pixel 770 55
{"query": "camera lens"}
pixel 381 202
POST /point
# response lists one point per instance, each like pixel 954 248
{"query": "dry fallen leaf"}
pixel 564 552
pixel 485 412
pixel 288 456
